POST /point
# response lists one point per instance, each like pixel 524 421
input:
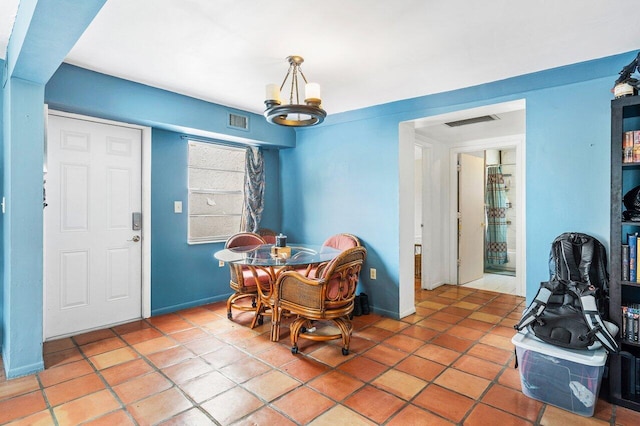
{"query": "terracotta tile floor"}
pixel 450 363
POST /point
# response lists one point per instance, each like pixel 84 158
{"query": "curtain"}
pixel 254 183
pixel 496 201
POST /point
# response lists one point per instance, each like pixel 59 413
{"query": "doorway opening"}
pixel 434 147
pixel 487 219
pixel 502 220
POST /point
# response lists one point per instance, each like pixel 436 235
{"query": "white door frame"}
pixel 146 202
pixel 406 207
pixel 426 237
pixel 517 142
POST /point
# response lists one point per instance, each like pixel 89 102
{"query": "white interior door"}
pixel 470 218
pixel 92 253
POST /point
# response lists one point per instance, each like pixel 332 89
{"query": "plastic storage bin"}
pixel 568 379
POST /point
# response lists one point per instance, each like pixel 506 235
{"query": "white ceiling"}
pixel 362 52
pixel 507 123
pixel 8 9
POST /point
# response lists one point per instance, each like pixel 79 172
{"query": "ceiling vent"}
pixel 473 120
pixel 240 122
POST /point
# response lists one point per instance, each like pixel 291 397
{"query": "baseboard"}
pixel 192 304
pixel 436 285
pixel 408 312
pixel 25 370
pixel 385 313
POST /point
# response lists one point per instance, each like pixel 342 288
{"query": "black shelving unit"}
pixel 625 116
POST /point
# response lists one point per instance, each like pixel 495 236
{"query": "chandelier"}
pixel 294 114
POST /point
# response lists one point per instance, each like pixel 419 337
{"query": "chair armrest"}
pixel 296 289
pixel 320 268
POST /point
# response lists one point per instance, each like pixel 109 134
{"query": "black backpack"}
pixel 570 309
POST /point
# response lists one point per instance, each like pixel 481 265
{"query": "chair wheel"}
pixel 229 315
pixel 345 351
pixel 294 350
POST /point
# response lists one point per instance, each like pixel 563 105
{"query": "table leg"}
pixel 275 324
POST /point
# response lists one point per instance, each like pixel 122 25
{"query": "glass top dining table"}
pixel 266 258
pixel 262 255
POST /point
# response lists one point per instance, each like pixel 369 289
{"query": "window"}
pixel 216 191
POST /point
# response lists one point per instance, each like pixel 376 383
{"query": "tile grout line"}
pixel 162 373
pixel 329 364
pixel 478 401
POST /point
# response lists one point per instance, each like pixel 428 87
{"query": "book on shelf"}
pixel 632 241
pixel 636 146
pixel 631 323
pixel 625 262
pixel 627 147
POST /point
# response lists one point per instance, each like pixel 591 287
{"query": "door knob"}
pixel 135 238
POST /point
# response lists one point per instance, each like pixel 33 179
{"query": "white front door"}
pixel 470 218
pixel 92 254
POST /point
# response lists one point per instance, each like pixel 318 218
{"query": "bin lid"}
pixel 596 357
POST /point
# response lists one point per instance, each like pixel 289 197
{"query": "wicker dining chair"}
pixel 338 241
pixel 269 235
pixel 244 279
pixel 329 298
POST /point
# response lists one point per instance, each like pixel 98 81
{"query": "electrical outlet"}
pixel 372 273
pixel 220 263
pixel 177 206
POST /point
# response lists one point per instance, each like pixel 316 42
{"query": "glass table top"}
pixel 269 255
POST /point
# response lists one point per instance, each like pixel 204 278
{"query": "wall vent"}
pixel 473 120
pixel 240 122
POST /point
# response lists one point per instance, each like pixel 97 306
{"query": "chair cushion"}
pixel 244 239
pixel 340 242
pixel 349 283
pixel 249 279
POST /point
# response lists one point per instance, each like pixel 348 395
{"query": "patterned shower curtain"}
pixel 254 183
pixel 496 202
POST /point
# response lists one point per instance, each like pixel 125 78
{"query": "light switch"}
pixel 177 206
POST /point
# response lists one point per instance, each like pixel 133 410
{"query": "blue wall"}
pixel 22 244
pixel 43 34
pixel 182 275
pixel 185 275
pixel 81 91
pixel 347 168
pixel 346 180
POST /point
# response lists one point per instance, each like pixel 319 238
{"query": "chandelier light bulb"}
pixel 273 92
pixel 312 94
